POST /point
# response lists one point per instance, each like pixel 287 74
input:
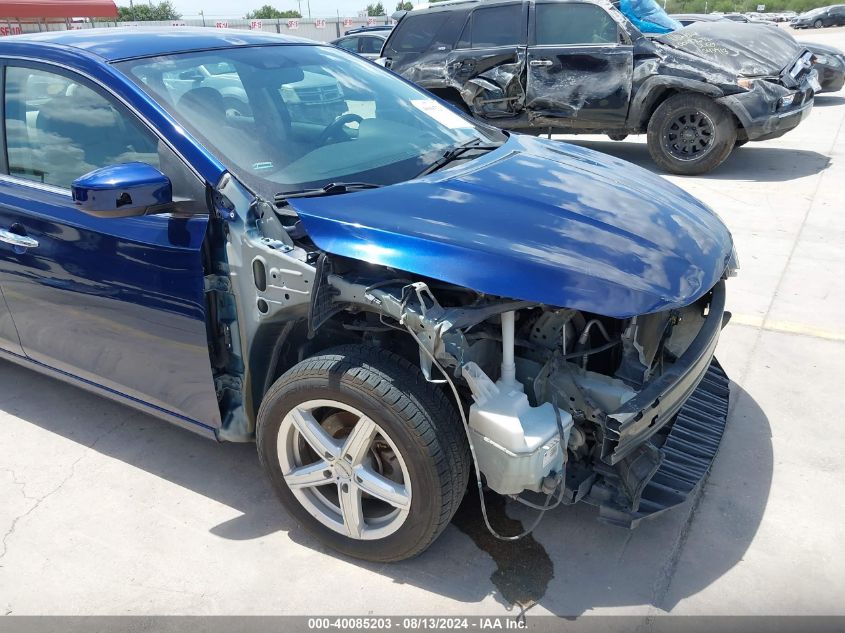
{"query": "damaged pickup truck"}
pixel 390 304
pixel 581 66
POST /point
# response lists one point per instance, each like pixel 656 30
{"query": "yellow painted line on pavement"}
pixel 787 327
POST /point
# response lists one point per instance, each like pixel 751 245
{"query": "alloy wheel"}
pixel 689 135
pixel 344 469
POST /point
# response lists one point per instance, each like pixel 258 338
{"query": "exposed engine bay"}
pixel 556 402
pixel 546 387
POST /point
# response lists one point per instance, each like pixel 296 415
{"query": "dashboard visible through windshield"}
pixel 293 117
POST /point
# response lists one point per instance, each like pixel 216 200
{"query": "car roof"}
pixel 114 44
pixel 455 4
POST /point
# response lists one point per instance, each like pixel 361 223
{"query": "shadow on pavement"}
pixel 755 162
pixel 571 564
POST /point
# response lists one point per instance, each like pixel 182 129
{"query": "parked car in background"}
pixel 366 44
pixel 828 61
pixel 369 29
pixel 582 67
pixel 338 290
pixel 817 18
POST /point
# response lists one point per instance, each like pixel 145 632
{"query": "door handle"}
pixel 540 62
pixel 23 241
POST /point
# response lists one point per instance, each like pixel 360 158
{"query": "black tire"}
pixel 740 142
pixel 617 136
pixel 417 416
pixel 818 24
pixel 699 114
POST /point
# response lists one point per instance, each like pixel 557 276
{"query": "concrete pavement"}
pixel 107 511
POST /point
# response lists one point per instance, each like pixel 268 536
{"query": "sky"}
pixel 239 8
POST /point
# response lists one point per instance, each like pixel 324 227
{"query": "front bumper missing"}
pixel 685 458
pixel 659 445
pixel 654 407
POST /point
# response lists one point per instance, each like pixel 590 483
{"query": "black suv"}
pixel 580 66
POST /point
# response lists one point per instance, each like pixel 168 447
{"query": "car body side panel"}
pixel 590 82
pixel 118 302
pixel 590 232
pixel 9 339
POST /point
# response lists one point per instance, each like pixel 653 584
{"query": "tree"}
pixel 141 12
pixel 404 6
pixel 375 10
pixel 268 12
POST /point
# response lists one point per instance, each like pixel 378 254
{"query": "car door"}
pixel 116 302
pixel 580 66
pixel 489 59
pixel 838 15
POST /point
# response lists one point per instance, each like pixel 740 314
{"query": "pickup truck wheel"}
pixel 690 134
pixel 364 452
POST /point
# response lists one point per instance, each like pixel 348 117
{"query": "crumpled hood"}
pixel 536 220
pixel 743 48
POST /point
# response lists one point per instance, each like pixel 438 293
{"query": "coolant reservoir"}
pixel 516 445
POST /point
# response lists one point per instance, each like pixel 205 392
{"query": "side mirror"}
pixel 123 190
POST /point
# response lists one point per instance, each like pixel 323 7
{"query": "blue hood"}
pixel 540 221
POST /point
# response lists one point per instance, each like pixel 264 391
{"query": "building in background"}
pixel 25 16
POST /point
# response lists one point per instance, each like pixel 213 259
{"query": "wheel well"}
pixel 654 102
pixel 280 346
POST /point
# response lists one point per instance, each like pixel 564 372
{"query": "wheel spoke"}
pixel 358 443
pixel 322 443
pixel 350 508
pixel 316 474
pixel 382 488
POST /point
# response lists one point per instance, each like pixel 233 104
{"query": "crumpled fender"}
pixel 539 221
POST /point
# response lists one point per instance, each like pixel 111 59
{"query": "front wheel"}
pixel 818 24
pixel 363 452
pixel 690 134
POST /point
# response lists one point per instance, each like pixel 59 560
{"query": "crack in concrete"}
pixel 39 500
pixel 17 482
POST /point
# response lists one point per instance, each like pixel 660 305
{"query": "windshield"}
pixel 292 117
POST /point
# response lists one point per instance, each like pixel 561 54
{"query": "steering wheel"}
pixel 336 126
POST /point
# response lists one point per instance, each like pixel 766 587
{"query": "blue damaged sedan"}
pixel 266 239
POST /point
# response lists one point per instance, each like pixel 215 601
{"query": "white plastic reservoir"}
pixel 516 445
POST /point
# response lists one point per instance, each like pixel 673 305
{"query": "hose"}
pixel 458 402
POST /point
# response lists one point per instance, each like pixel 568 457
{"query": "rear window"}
pixel 417 33
pixel 494 26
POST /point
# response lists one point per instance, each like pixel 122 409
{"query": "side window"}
pixel 561 24
pixel 58 129
pixel 349 44
pixel 496 26
pixel 417 33
pixel 370 45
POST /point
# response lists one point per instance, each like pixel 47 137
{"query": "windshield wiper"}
pixel 331 189
pixel 456 152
